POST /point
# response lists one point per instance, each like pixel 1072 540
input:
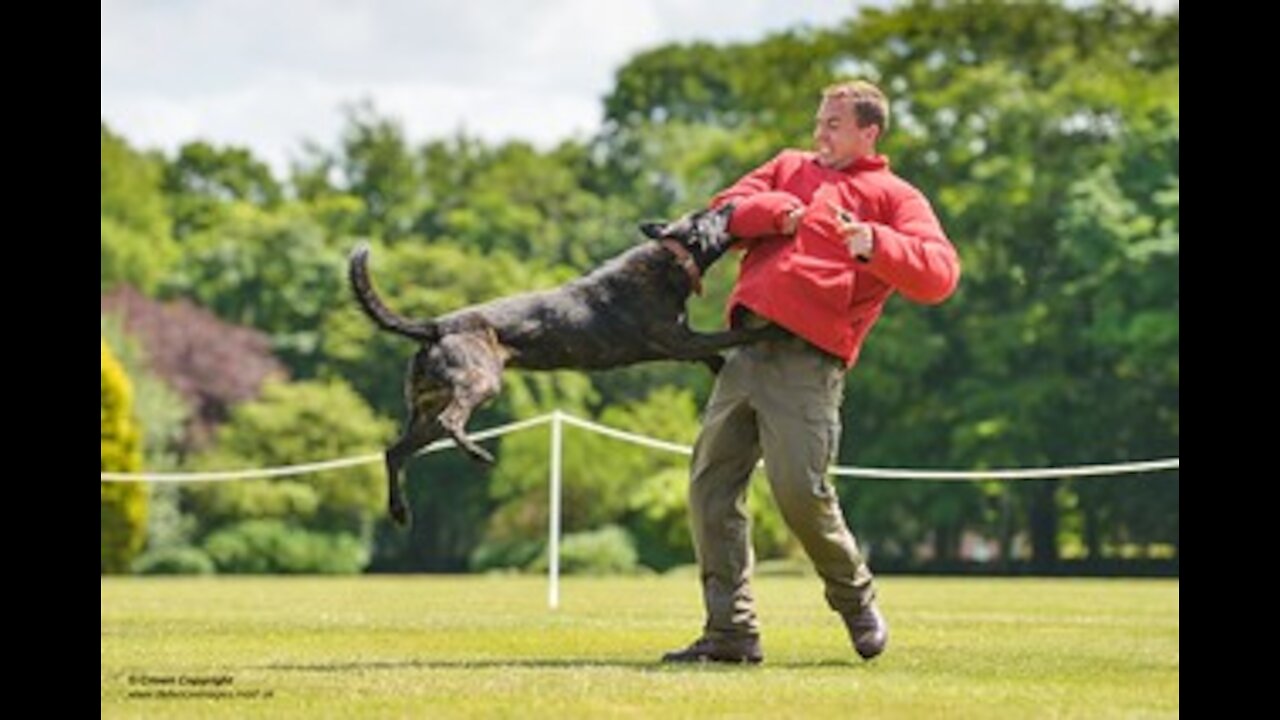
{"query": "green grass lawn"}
pixel 488 646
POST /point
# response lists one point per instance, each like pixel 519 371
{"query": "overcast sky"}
pixel 270 73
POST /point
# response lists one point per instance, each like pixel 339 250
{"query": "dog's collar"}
pixel 686 261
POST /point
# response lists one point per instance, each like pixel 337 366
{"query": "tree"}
pixel 161 411
pixel 203 180
pixel 998 112
pixel 277 271
pixel 1120 224
pixel 163 415
pixel 210 363
pixel 373 164
pixel 137 247
pixel 1002 111
pixel 291 424
pixel 535 205
pixel 1045 135
pixel 609 482
pixel 124 504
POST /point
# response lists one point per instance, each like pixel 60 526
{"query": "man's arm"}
pixel 914 255
pixel 760 209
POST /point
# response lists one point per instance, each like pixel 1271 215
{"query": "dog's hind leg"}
pixel 454 421
pixel 419 432
pixel 471 365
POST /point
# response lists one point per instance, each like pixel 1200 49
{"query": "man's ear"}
pixel 655 230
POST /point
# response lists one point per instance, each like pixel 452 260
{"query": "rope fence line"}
pixel 625 436
pixel 557 418
pixel 305 468
pixel 1023 474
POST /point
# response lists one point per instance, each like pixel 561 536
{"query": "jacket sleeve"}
pixel 759 207
pixel 913 254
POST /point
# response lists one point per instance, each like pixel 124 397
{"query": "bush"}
pixel 599 552
pixel 123 521
pixel 271 546
pixel 499 554
pixel 296 423
pixel 183 560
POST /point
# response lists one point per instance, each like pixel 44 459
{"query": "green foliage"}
pixel 132 257
pixel 1046 136
pixel 203 181
pixel 507 554
pixel 124 504
pixel 273 546
pixel 378 168
pixel 291 424
pixel 607 551
pixel 532 205
pixel 605 480
pixel 213 364
pixel 174 560
pixel 163 415
pixel 161 411
pixel 1004 113
pixel 136 244
pixel 1001 114
pixel 396 191
pixel 277 271
pixel 518 489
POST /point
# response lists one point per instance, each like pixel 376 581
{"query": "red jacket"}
pixel 809 283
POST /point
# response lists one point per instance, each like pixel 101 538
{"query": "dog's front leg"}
pixel 698 346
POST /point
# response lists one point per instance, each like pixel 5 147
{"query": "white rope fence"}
pixel 558 417
pixel 303 469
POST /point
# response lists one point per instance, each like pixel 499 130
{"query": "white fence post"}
pixel 553 542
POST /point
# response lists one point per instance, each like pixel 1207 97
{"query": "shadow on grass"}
pixel 543 664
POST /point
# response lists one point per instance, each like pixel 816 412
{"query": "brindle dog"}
pixel 629 310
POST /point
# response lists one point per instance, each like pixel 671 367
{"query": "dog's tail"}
pixel 383 316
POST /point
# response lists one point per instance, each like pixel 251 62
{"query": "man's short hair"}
pixel 870 106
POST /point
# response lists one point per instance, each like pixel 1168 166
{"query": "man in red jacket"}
pixel 829 236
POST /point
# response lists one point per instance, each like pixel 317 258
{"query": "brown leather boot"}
pixel 745 649
pixel 868 631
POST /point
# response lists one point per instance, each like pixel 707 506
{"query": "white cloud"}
pixel 269 74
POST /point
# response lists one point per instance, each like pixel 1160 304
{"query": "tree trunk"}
pixel 946 543
pixel 1043 516
pixel 1092 530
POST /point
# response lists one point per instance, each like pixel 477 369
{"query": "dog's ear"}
pixel 655 230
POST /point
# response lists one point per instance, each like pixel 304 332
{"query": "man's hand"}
pixel 791 221
pixel 857 236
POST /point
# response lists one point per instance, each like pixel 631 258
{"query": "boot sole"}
pixel 703 659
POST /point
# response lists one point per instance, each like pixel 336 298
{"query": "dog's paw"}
pixel 399 512
pixel 482 455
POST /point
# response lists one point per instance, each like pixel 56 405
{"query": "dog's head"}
pixel 704 233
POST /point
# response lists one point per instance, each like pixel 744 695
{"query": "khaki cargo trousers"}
pixel 780 400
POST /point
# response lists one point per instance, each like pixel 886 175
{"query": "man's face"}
pixel 836 136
